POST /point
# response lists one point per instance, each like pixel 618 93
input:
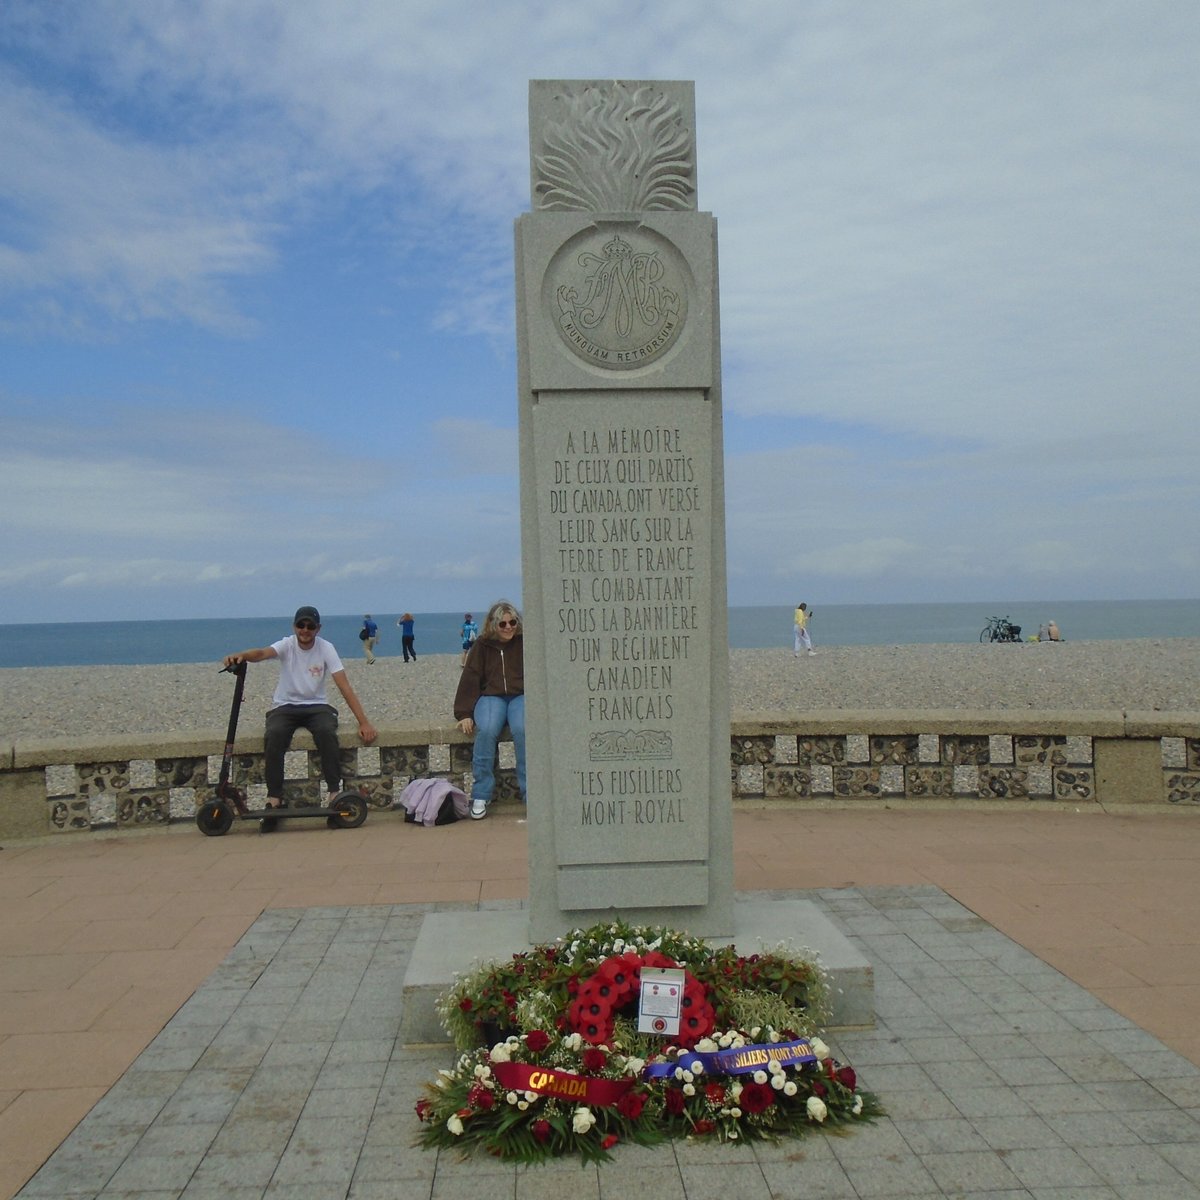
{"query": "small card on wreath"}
pixel 660 1001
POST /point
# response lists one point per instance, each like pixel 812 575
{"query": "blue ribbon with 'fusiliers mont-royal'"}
pixel 740 1061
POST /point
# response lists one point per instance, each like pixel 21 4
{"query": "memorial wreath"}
pixel 551 1061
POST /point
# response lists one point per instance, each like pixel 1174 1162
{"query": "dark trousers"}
pixel 407 643
pixel 321 720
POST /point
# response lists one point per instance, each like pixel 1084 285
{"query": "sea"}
pixel 96 643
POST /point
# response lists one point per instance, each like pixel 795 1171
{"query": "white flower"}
pixel 789 1088
pixel 501 1052
pixel 511 1097
pixel 530 1097
pixel 582 1120
pixel 857 1105
pixel 618 946
pixel 522 1105
pixel 689 1089
pixel 756 1032
pixel 635 1066
pixel 573 1041
pixel 760 1077
pixel 816 1108
pixel 678 1072
pixel 777 1082
pixel 774 1068
pixel 482 1071
pixel 819 1048
pixel 706 1045
pixel 732 1132
pixel 455 1125
pixel 735 1090
pixel 735 1112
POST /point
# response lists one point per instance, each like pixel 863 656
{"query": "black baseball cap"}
pixel 306 613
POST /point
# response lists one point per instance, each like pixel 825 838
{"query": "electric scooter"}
pixel 346 810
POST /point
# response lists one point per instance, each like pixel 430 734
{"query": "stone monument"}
pixel 623 556
pixel 622 515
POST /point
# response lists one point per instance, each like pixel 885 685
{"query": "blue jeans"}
pixel 491 715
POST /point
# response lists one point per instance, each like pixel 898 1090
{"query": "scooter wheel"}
pixel 214 818
pixel 349 810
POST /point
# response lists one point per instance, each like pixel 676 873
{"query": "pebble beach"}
pixel 1143 674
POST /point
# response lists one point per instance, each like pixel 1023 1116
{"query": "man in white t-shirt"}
pixel 306 663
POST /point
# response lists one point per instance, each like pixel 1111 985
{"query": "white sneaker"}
pixel 812 652
pixel 478 810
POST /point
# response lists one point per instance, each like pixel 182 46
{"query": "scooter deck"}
pixel 307 810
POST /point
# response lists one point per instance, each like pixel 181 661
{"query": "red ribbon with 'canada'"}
pixel 563 1085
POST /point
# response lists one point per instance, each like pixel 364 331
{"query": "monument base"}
pixel 453 942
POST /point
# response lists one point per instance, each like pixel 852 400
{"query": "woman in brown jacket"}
pixel 491 694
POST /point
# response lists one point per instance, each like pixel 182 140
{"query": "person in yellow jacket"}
pixel 800 624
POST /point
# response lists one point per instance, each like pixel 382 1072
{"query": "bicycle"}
pixel 1000 629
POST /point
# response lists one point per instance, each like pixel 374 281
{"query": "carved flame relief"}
pixel 616 150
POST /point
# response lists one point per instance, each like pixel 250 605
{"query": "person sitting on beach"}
pixel 491 693
pixel 306 663
pixel 1052 632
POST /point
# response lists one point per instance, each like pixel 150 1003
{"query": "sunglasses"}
pixel 506 624
pixel 305 625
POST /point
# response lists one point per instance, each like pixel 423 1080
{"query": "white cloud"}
pixel 958 263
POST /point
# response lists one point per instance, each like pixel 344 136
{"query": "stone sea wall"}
pixel 1112 759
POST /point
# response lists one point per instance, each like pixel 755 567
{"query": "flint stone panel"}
pixel 1074 783
pixel 888 749
pixel 821 751
pixel 857 781
pixel 181 772
pixel 929 781
pixel 781 782
pixel 1051 750
pixel 143 808
pixel 1183 788
pixel 748 751
pixel 959 750
pixel 1003 783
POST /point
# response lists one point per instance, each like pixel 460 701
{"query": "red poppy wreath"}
pixel 614 986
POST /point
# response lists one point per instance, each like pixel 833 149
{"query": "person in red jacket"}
pixel 491 694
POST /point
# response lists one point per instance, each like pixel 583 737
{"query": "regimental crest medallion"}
pixel 619 301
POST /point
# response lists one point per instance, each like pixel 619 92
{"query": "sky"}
pixel 257 333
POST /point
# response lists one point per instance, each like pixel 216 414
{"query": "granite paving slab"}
pixel 284 1076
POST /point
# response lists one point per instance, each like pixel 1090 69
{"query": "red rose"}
pixel 847 1078
pixel 593 1059
pixel 609 1142
pixel 630 1105
pixel 674 1101
pixel 819 1090
pixel 705 1126
pixel 424 1108
pixel 540 1131
pixel 757 1097
pixel 715 1093
pixel 479 1097
pixel 537 1040
pixel 465 1004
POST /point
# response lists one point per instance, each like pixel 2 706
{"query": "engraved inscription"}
pixel 624 509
